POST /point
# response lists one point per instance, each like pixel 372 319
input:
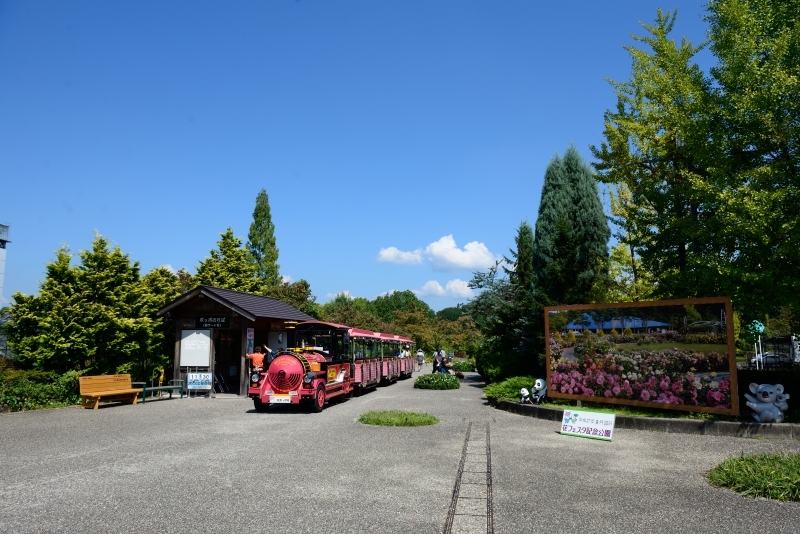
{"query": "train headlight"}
pixel 309 377
pixel 254 378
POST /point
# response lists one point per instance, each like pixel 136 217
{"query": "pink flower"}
pixel 645 396
pixel 600 379
pixel 616 390
pixel 607 393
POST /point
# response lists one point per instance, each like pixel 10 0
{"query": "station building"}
pixel 216 328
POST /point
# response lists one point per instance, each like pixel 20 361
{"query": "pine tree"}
pixel 261 244
pixel 229 267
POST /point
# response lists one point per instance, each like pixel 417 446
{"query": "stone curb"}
pixel 680 426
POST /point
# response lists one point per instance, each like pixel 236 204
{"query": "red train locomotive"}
pixel 327 360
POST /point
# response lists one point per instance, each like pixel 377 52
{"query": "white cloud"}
pixel 346 293
pixel 286 279
pixel 395 255
pixel 169 267
pixel 446 256
pixel 431 287
pixel 456 288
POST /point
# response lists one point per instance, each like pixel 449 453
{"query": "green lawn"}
pixel 772 476
pixel 697 347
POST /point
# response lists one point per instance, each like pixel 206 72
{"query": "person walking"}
pixel 420 359
pixel 437 361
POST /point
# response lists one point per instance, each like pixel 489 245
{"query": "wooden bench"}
pixel 111 388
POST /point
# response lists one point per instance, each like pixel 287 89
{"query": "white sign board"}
pixel 195 348
pixel 198 380
pixel 586 424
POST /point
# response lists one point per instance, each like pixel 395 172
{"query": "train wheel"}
pixel 319 399
pixel 260 406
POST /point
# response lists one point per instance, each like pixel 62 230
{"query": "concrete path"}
pixel 215 465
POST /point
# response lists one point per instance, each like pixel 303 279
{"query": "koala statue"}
pixel 525 396
pixel 539 390
pixel 769 402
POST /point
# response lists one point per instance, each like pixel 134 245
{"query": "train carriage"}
pixel 328 360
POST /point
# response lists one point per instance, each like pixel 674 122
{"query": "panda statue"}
pixel 539 390
pixel 525 396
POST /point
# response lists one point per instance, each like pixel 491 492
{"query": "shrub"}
pixel 437 381
pixel 30 390
pixel 571 337
pixel 507 389
pixel 613 332
pixel 464 365
pixel 600 333
pixel 587 334
pixel 627 331
pixel 558 337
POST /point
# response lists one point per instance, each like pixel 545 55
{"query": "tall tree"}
pixel 570 247
pixel 521 261
pixel 553 214
pixel 757 114
pixel 261 243
pixel 590 227
pixel 229 266
pixel 657 151
pixel 96 316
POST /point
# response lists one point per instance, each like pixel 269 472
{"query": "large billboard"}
pixel 667 354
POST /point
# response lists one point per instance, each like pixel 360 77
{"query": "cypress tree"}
pixel 570 246
pixel 590 226
pixel 522 259
pixel 553 224
pixel 261 244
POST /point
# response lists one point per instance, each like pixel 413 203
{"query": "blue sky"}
pixel 400 143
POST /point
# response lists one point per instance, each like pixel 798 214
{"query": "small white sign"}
pixel 587 424
pixel 280 399
pixel 198 380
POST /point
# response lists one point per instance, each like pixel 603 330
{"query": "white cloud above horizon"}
pixel 455 288
pixel 344 292
pixel 395 255
pixel 444 255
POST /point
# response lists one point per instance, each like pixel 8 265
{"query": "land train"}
pixel 327 360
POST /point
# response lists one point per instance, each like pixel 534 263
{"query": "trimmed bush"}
pixel 465 366
pixel 437 381
pixel 773 476
pixel 508 389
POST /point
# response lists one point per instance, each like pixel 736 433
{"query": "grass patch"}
pixel 697 347
pixel 773 476
pixel 397 418
pixel 437 381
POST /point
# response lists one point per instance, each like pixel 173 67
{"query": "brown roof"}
pixel 246 304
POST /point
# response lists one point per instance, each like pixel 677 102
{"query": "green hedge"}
pixel 465 366
pixel 437 381
pixel 507 389
pixel 30 390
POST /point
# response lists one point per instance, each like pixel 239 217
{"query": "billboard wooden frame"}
pixel 734 388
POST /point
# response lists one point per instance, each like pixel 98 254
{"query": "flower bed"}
pixel 664 377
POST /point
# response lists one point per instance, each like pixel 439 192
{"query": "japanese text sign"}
pixel 586 424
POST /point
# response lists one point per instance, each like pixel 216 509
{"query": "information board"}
pixel 198 380
pixel 587 424
pixel 195 348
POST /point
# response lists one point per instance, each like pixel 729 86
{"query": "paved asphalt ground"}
pixel 215 465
